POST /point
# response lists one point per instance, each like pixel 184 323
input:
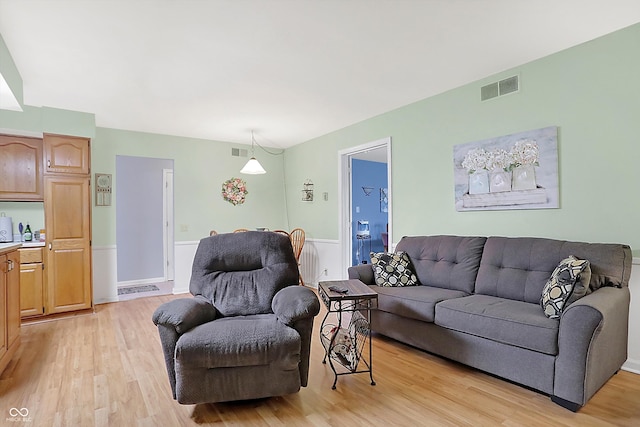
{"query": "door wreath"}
pixel 234 191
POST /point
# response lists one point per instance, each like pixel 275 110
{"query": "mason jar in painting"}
pixel 524 178
pixel 499 181
pixel 478 182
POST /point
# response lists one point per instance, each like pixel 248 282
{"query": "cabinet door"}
pixel 66 154
pixel 31 302
pixel 68 222
pixel 13 297
pixel 20 168
pixel 4 268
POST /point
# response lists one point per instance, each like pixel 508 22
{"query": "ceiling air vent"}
pixel 503 87
pixel 239 152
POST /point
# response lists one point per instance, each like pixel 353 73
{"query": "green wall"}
pixel 200 168
pixel 591 92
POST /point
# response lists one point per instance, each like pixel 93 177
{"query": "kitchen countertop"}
pixel 36 244
pixel 7 247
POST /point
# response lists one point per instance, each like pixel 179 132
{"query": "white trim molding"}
pixel 633 346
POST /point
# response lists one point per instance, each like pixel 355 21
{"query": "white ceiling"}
pixel 292 70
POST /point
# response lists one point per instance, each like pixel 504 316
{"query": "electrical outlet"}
pixel 184 227
pixel 326 272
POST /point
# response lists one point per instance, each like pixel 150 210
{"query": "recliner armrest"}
pixel 294 303
pixel 185 313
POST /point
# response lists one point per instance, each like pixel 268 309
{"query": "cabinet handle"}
pixel 10 263
pixel 49 246
pixel 48 163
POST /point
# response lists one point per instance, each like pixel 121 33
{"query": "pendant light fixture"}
pixel 253 167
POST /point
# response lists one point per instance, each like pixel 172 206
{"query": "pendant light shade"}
pixel 253 167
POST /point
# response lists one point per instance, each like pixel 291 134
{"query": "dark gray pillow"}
pixel 568 283
pixel 393 269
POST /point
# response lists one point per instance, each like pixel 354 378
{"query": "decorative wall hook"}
pixel 307 191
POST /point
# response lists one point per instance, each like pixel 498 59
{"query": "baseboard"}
pixel 139 282
pixel 180 290
pixel 105 300
pixel 632 366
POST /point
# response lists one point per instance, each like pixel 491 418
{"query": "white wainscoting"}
pixel 184 252
pixel 105 274
pixel 633 361
pixel 320 261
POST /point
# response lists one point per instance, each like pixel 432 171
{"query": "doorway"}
pixel 380 198
pixel 144 224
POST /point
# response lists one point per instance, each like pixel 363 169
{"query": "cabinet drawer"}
pixel 30 255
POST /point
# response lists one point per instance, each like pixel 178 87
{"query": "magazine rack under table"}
pixel 345 340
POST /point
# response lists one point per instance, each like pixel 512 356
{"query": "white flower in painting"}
pixel 499 159
pixel 475 160
pixel 525 152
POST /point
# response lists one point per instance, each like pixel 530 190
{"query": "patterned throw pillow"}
pixel 393 269
pixel 568 282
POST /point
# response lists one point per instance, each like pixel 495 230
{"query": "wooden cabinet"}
pixel 66 154
pixel 9 306
pixel 31 282
pixel 68 260
pixel 54 169
pixel 21 167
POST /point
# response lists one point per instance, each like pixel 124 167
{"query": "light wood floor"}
pixel 107 369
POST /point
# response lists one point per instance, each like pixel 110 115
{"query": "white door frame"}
pixel 167 222
pixel 344 197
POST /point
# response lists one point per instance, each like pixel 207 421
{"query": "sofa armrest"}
pixel 185 313
pixel 362 272
pixel 592 344
pixel 295 303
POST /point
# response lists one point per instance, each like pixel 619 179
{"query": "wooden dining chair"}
pixel 213 233
pixel 297 237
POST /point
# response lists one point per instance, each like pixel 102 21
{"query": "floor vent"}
pixel 239 152
pixel 500 88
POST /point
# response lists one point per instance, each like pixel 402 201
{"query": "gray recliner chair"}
pixel 246 333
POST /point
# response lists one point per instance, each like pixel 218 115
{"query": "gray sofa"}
pixel 477 303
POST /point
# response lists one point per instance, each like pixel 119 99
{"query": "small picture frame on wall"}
pixel 103 189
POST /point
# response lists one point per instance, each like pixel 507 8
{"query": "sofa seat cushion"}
pixel 502 320
pixel 414 302
pixel 239 341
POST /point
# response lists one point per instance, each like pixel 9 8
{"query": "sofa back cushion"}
pixel 518 267
pixel 449 262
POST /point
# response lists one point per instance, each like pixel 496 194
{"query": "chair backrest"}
pixel 297 237
pixel 240 273
pixel 240 230
pixel 213 233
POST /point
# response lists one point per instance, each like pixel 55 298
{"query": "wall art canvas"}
pixel 518 171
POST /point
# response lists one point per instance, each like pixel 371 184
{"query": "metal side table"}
pixel 344 331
